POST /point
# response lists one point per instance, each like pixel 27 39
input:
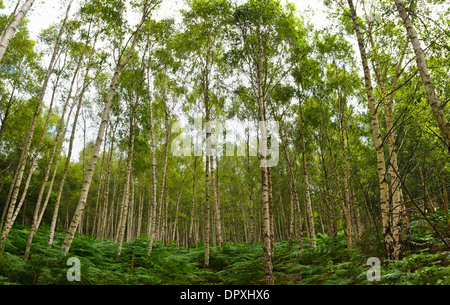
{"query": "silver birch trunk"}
pixel 69 153
pixel 435 105
pixel 266 229
pixel 154 178
pixel 9 33
pixel 30 134
pixel 311 224
pixel 104 121
pixel 384 189
pixel 214 186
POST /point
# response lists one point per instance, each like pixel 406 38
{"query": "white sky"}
pixel 45 12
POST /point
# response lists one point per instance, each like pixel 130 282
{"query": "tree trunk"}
pixel 207 194
pixel 60 134
pixel 191 227
pixel 384 190
pixel 311 224
pixel 347 200
pixel 250 192
pixel 267 242
pixel 69 153
pixel 9 33
pixel 436 107
pixel 397 196
pixel 30 134
pixel 129 180
pixel 140 214
pixel 154 178
pixel 331 226
pixel 105 118
pixel 214 186
pixel 444 191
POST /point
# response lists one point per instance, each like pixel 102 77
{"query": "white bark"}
pixel 9 34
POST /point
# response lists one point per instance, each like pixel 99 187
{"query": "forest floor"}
pixel 331 262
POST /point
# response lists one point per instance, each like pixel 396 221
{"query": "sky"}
pixel 45 12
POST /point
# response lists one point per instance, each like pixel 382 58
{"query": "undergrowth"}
pixel 330 263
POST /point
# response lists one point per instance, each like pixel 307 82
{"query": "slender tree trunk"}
pixel 154 178
pixel 267 242
pixel 271 213
pixel 105 118
pixel 250 192
pixel 291 213
pixel 331 227
pixel 9 33
pixel 384 195
pixel 191 227
pixel 10 19
pixel 30 134
pixel 176 230
pixel 36 156
pixel 163 195
pixel 311 224
pixel 140 214
pixel 397 196
pixel 131 217
pixel 69 153
pixel 129 180
pixel 347 200
pixel 208 164
pixel 214 186
pixel 444 191
pixel 207 194
pixel 436 107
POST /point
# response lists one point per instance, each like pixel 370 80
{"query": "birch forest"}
pixel 226 142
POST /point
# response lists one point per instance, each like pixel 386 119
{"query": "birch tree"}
pixel 146 10
pixel 13 26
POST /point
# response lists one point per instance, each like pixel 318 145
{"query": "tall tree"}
pixel 29 137
pixel 9 33
pixel 127 54
pixel 436 106
pixel 378 140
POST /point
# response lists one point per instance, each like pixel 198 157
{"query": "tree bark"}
pixel 30 134
pixel 397 196
pixel 105 118
pixel 214 186
pixel 191 227
pixel 312 229
pixel 436 107
pixel 154 178
pixel 9 33
pixel 347 199
pixel 69 153
pixel 250 192
pixel 384 195
pixel 129 179
pixel 266 229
